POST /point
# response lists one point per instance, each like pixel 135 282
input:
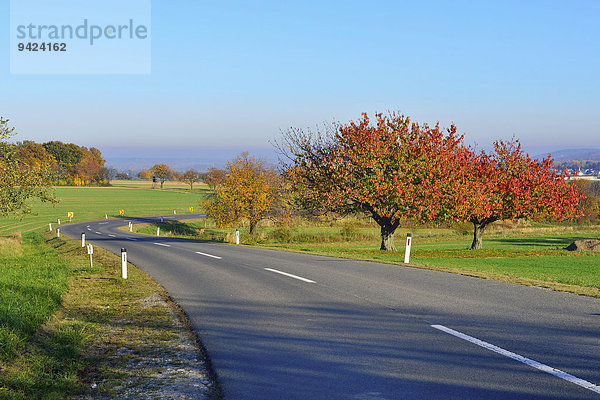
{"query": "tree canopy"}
pixel 249 192
pixel 393 169
pixel 190 177
pixel 20 179
pixel 389 170
pixel 508 184
pixel 162 172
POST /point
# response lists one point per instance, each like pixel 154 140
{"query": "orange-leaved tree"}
pixel 190 177
pixel 508 184
pixel 214 177
pixel 249 192
pixel 162 172
pixel 389 170
pixel 147 174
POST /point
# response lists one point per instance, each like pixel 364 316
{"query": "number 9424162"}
pixel 42 46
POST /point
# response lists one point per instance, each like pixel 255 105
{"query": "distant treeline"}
pixel 69 163
pixel 576 165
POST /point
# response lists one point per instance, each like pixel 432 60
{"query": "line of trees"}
pixel 67 163
pixel 394 168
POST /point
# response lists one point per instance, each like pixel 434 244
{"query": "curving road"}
pixel 281 325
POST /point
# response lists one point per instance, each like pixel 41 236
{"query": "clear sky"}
pixel 234 73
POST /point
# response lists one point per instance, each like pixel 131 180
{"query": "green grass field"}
pixel 136 199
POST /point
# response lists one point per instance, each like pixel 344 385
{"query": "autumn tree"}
pixel 20 181
pixel 147 174
pixel 214 177
pixel 508 184
pixel 190 177
pixel 90 169
pixel 162 172
pixel 249 192
pixel 34 154
pixel 590 204
pixel 389 170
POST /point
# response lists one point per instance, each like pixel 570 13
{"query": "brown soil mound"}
pixel 584 245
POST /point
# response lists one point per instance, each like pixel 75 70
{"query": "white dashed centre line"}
pixel 111 235
pixel 97 233
pixel 208 255
pixel 532 363
pixel 162 244
pixel 290 275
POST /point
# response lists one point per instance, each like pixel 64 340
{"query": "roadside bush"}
pixel 283 235
pixel 350 232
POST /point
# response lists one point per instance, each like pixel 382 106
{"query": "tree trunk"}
pixel 387 235
pixel 161 184
pixel 477 235
pixel 479 228
pixel 252 226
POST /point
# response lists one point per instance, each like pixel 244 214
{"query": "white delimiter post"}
pixel 130 226
pixel 57 232
pixel 90 250
pixel 82 239
pixel 124 263
pixel 58 219
pixel 50 226
pixel 407 251
pixel 237 236
pixel 158 231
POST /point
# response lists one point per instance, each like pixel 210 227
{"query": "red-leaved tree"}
pixel 390 169
pixel 509 184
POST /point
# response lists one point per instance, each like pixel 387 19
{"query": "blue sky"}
pixel 232 74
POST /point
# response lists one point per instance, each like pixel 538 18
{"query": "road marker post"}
pixel 130 226
pixel 158 231
pixel 105 216
pixel 57 232
pixel 58 220
pixel 90 250
pixel 82 239
pixel 237 236
pixel 174 211
pixel 407 250
pixel 124 263
pixel 50 226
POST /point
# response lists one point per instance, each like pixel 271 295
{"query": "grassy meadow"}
pixel 136 198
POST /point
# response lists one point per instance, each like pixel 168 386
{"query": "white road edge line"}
pixel 290 275
pixel 130 239
pixel 207 255
pixel 103 223
pixel 162 244
pixel 527 361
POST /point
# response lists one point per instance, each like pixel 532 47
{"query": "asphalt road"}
pixel 281 325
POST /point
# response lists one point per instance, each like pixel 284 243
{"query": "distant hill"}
pixel 573 154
